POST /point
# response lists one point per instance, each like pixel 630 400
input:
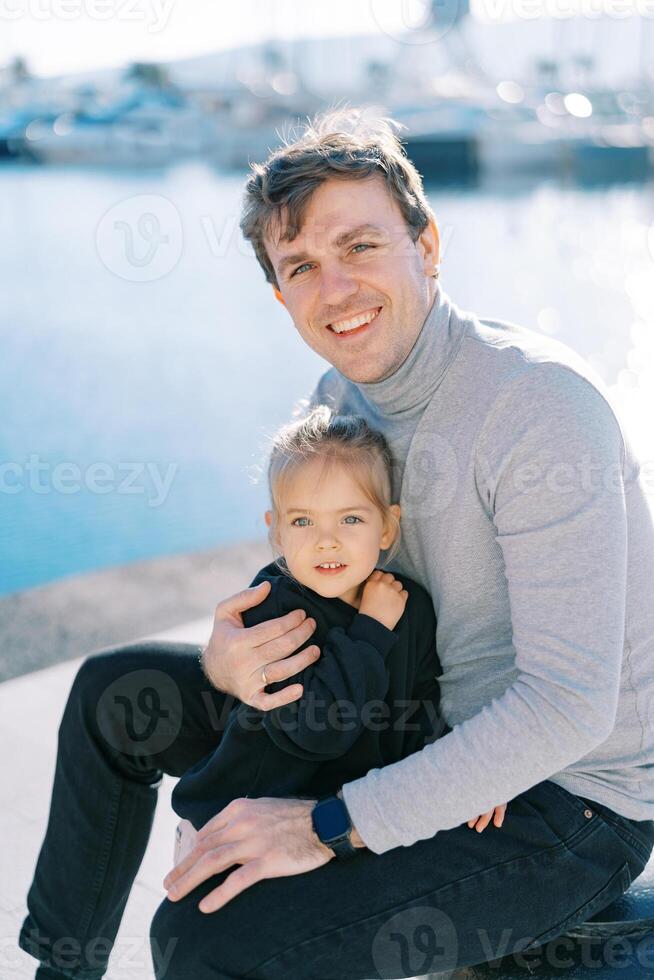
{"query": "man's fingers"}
pixel 243 600
pixel 248 874
pixel 212 862
pixel 281 670
pixel 266 702
pixel 276 638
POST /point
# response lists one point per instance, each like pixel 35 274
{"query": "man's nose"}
pixel 337 284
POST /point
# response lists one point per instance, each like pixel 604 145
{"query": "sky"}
pixel 60 36
pixel 67 35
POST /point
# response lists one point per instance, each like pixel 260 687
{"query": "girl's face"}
pixel 331 520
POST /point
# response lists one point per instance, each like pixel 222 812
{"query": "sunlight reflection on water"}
pixel 195 369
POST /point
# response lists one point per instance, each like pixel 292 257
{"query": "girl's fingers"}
pixel 483 821
pixel 497 814
pixel 500 813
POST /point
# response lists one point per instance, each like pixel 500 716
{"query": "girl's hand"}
pixel 497 813
pixel 383 598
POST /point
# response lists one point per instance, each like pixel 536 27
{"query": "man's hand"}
pixel 235 656
pixel 383 598
pixel 267 837
pixel 496 814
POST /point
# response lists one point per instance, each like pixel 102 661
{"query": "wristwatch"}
pixel 332 824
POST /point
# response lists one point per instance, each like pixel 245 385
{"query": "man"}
pixel 523 515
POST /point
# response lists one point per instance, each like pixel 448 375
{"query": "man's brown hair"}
pixel 347 143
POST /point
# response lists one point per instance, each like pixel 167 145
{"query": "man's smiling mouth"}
pixel 355 323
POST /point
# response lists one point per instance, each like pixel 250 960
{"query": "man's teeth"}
pixel 330 564
pixel 357 321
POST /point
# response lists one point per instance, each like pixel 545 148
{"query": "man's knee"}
pixel 178 950
pixel 169 961
pixel 125 698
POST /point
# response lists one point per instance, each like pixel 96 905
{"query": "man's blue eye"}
pixel 363 245
pixel 304 264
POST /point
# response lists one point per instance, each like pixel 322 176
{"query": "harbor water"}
pixel 138 390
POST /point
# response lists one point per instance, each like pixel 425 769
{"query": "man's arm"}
pixel 562 531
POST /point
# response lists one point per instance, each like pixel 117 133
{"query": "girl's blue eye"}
pixel 353 516
pixel 293 523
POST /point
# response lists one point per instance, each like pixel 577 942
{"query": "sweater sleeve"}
pixel 326 721
pixel 549 473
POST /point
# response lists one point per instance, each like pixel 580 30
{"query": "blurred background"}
pixel 144 361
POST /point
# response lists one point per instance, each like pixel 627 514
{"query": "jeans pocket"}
pixel 616 886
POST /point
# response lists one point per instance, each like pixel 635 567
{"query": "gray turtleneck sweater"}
pixel 525 517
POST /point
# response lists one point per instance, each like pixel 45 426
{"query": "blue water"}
pixel 109 384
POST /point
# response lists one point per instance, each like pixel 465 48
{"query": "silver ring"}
pixel 263 677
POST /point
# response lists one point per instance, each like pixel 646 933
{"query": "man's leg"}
pixel 454 900
pixel 133 713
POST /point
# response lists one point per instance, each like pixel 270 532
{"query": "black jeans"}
pixel 459 898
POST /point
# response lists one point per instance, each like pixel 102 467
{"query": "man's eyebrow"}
pixel 339 242
pixel 307 510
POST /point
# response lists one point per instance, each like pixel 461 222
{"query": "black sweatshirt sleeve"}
pixel 326 721
pixel 426 691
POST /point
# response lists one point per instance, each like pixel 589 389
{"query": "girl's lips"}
pixel 330 571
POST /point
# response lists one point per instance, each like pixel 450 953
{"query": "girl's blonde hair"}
pixel 335 439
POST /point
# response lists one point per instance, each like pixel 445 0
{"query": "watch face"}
pixel 331 819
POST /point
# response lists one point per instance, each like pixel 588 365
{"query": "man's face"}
pixel 356 286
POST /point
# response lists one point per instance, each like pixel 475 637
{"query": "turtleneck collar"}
pixel 411 386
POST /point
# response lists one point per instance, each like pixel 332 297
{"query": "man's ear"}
pixel 268 518
pixel 430 242
pixel 278 296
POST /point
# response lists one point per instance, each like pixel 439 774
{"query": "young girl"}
pixel 372 697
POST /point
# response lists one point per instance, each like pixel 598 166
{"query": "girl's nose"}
pixel 327 541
